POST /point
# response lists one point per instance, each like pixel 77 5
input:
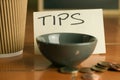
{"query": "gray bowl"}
pixel 66 49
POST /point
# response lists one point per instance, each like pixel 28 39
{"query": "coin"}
pixel 102 67
pixel 74 75
pixel 68 70
pixel 97 69
pixel 115 67
pixel 104 64
pixel 85 70
pixel 90 76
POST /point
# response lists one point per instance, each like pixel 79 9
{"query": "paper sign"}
pixel 88 21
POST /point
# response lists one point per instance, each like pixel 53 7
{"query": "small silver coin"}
pixel 68 70
pixel 85 70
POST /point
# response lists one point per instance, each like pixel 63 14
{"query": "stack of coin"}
pixel 114 67
pixel 104 64
pixel 110 66
pixel 101 66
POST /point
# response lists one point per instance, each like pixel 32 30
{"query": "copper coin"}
pixel 115 67
pixel 90 76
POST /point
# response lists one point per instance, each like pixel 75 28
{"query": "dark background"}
pixel 81 4
pixel 74 4
pixel 33 5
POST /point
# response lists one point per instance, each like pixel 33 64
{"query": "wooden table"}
pixel 35 67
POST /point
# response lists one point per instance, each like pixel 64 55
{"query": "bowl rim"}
pixel 65 44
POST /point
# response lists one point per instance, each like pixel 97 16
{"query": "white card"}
pixel 87 21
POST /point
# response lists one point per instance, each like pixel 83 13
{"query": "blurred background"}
pixel 73 4
pixel 111 9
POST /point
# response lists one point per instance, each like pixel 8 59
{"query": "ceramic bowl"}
pixel 66 49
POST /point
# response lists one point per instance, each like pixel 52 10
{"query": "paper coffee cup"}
pixel 12 27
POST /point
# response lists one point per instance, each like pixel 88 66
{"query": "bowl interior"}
pixel 66 38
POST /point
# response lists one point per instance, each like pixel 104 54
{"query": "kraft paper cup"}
pixel 12 27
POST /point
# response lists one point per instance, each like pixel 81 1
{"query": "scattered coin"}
pixel 68 70
pixel 104 64
pixel 97 69
pixel 114 67
pixel 90 76
pixel 85 70
pixel 102 67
